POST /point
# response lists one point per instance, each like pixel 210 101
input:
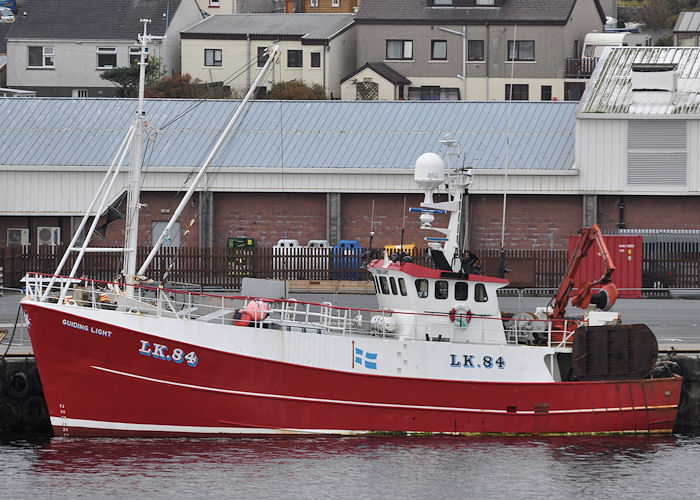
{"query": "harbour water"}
pixel 353 467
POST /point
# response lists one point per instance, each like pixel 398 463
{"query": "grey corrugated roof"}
pixel 306 26
pixel 290 134
pixel 512 11
pixel 610 91
pixel 382 70
pixel 687 22
pixel 92 20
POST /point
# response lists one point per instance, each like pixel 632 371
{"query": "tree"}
pixel 183 86
pixel 127 77
pixel 296 90
pixel 662 14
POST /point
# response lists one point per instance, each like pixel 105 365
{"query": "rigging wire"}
pixel 502 269
pixel 148 151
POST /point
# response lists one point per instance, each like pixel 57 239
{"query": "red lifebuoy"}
pixel 461 315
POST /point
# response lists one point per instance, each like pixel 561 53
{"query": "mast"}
pixel 433 172
pixel 134 187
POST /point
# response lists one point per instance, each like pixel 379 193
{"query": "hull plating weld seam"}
pixel 376 405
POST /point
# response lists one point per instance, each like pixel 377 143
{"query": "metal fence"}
pixel 226 267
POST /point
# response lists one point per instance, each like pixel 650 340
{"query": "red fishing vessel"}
pixel 438 355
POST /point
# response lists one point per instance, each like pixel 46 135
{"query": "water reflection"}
pixel 299 467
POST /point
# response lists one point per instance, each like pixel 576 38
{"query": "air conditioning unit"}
pixel 48 236
pixel 17 237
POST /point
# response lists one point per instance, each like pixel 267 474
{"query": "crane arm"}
pixel 589 235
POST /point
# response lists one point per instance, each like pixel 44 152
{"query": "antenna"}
pixel 371 226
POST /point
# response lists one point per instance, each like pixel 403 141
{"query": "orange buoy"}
pixel 257 310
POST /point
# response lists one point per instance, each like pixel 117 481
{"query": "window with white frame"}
pixel 106 57
pixel 335 3
pixel 399 49
pixel 41 57
pixel 313 3
pixel 134 55
pixel 214 3
pixel 213 57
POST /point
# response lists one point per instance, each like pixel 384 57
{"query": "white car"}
pixel 6 15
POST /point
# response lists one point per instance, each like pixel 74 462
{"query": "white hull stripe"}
pixel 189 429
pixel 378 405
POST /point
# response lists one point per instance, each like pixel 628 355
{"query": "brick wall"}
pixel 269 217
pixel 651 212
pixel 532 221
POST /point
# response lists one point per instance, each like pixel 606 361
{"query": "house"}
pixel 316 49
pixel 686 32
pixel 224 7
pixel 331 6
pixel 60 49
pixel 508 49
pixel 638 130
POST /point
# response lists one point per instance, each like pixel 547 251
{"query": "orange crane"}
pixel 608 293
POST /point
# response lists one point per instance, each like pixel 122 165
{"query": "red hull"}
pixel 101 385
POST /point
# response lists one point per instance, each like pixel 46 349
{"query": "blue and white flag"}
pixel 368 358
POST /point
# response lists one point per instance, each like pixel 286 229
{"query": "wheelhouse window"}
pixel 521 50
pixel 106 57
pixel 461 290
pixel 402 287
pixel 263 55
pixel 41 57
pixel 475 50
pixel 438 50
pixel 392 282
pixel 422 288
pixel 480 293
pixel 376 285
pixel 399 49
pixel 295 59
pixel 385 286
pixel 315 59
pixel 441 289
pixel 213 57
pixel 442 2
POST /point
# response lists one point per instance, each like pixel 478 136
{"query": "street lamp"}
pixel 463 76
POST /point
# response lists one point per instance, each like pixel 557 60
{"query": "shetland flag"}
pixel 368 358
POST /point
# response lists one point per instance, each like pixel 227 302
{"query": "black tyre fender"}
pixel 9 413
pixel 35 414
pixel 18 385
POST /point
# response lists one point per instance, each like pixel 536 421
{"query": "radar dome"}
pixel 430 171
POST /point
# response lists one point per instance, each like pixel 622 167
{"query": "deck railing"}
pixel 288 314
